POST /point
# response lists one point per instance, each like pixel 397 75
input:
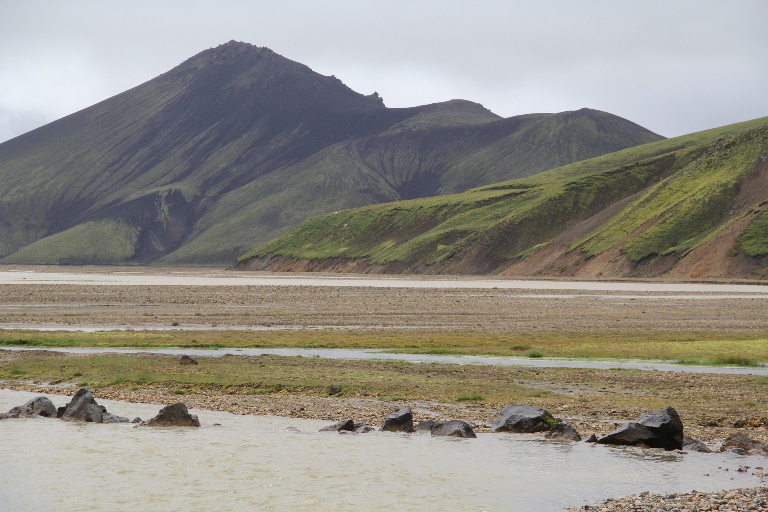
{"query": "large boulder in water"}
pixel 523 419
pixel 83 407
pixel 657 429
pixel 453 428
pixel 175 415
pixel 400 421
pixel 38 406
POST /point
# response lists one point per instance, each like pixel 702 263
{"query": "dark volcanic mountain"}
pixel 238 144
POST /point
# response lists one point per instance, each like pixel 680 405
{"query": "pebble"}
pixel 736 500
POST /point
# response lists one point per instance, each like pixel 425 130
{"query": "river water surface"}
pixel 255 463
pixel 217 278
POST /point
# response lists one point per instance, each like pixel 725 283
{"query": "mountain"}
pixel 238 144
pixel 690 207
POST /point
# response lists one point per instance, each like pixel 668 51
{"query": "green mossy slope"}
pixel 684 190
pixel 92 243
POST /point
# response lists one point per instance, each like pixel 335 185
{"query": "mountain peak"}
pixel 233 49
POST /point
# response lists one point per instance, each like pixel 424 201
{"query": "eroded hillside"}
pixel 693 206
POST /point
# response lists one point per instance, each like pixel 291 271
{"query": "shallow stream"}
pixel 376 354
pixel 255 463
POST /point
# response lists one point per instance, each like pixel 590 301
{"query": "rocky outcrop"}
pixel 38 406
pixel 400 421
pixel 175 415
pixel 657 429
pixel 563 432
pixel 523 419
pixel 83 407
pixel 453 428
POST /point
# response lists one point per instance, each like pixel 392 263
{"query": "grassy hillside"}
pixel 238 144
pixel 663 199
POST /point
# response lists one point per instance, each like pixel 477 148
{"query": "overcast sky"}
pixel 673 66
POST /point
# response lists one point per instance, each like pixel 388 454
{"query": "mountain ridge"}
pixel 237 144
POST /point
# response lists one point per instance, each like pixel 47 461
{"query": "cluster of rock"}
pixel 84 408
pixel 657 429
pixel 402 421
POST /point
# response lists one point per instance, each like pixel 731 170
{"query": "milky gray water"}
pixel 218 278
pixel 253 463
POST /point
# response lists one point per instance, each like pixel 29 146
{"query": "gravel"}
pixel 732 500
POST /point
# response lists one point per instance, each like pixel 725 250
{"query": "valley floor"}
pixel 714 326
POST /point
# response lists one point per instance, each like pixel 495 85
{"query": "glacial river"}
pixel 198 277
pixel 257 463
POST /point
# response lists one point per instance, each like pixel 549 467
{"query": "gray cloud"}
pixel 674 67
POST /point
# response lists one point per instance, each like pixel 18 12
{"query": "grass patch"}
pixel 722 361
pixel 470 398
pixel 738 361
pixel 534 354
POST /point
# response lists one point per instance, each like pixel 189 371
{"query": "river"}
pixel 199 277
pixel 255 463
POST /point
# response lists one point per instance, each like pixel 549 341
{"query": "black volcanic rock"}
pixel 83 407
pixel 175 415
pixel 523 419
pixel 657 429
pixel 453 428
pixel 38 406
pixel 347 424
pixel 399 421
pixel 563 432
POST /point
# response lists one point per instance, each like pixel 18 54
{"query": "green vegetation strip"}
pixel 703 348
pixel 388 381
pixel 699 397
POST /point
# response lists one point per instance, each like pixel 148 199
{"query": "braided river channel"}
pixel 267 463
